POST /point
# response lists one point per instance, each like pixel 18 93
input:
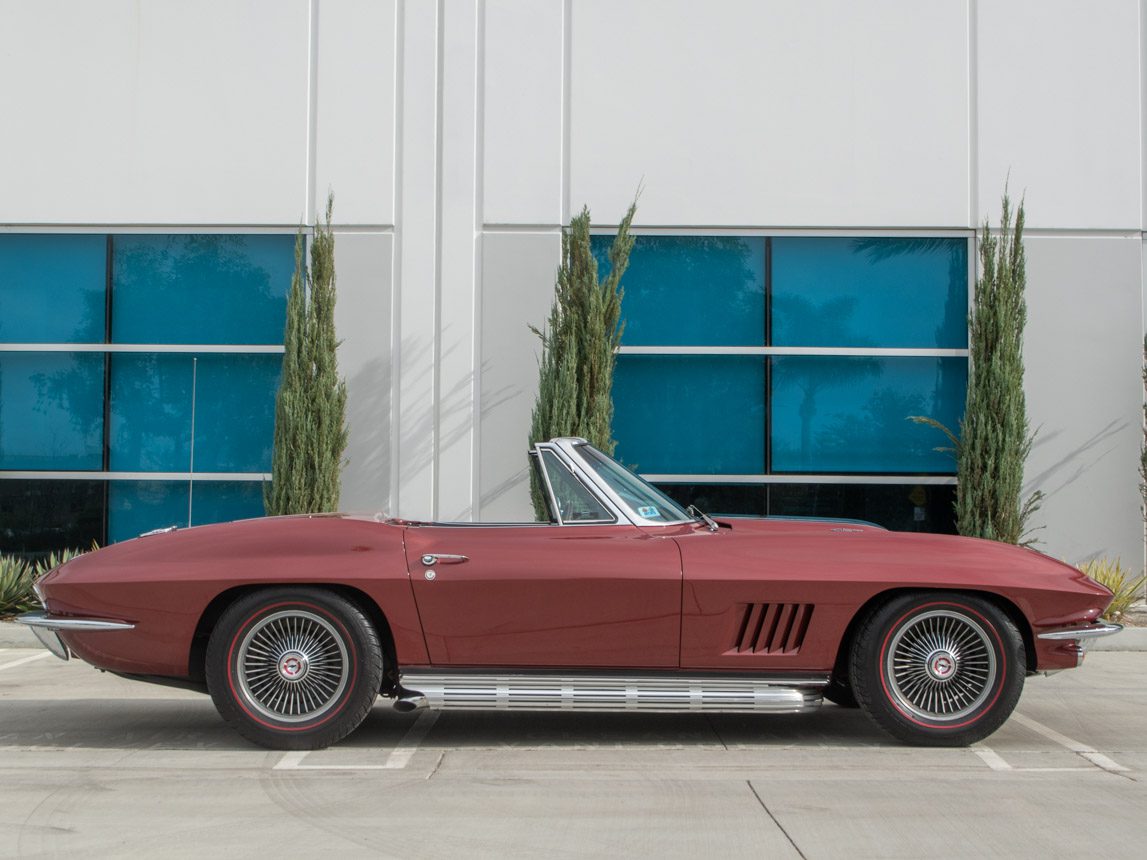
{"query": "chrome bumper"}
pixel 47 627
pixel 1075 639
pixel 1091 631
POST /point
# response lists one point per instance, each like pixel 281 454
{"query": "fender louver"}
pixel 773 628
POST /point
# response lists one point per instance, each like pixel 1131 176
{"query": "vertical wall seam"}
pixel 973 115
pixel 1143 216
pixel 1142 115
pixel 436 334
pixel 567 89
pixel 477 292
pixel 396 262
pixel 312 111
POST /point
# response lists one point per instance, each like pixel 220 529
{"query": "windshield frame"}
pixel 575 450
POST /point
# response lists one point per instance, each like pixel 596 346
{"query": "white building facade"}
pixel 181 144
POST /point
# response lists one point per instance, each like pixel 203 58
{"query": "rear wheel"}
pixel 938 669
pixel 294 668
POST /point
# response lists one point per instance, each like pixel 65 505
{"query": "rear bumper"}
pixel 47 628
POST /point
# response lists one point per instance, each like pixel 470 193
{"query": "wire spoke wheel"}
pixel 940 665
pixel 292 666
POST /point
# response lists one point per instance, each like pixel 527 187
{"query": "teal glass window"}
pixel 691 290
pixel 850 414
pixel 135 507
pixel 870 292
pixel 52 288
pixel 151 396
pixel 691 414
pixel 51 410
pixel 201 289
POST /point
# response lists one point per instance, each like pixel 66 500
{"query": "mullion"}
pixel 768 358
pixel 106 452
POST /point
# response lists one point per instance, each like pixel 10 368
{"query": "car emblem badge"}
pixel 292 666
pixel 941 666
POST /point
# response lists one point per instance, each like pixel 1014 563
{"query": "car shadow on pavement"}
pixel 829 726
pixel 194 724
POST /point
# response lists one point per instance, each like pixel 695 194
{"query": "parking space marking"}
pixel 996 762
pixel 24 660
pixel 1083 750
pixel 991 758
pixel 398 759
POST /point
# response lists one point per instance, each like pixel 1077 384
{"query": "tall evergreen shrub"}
pixel 575 377
pixel 310 407
pixel 995 437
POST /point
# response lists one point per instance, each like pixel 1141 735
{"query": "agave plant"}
pixel 55 559
pixel 1115 577
pixel 16 578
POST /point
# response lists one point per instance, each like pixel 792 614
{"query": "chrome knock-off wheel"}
pixel 293 666
pixel 940 665
pixel 938 668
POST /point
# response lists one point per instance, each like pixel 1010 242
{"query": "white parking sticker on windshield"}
pixel 649 512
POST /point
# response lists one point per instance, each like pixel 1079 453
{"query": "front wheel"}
pixel 294 668
pixel 938 669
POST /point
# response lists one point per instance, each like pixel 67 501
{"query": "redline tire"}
pixel 294 668
pixel 938 668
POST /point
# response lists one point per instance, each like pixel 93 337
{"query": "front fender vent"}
pixel 773 628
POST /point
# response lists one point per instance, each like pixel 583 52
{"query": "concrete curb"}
pixel 13 635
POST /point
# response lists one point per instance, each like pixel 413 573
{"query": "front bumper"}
pixel 1090 631
pixel 1072 641
pixel 47 628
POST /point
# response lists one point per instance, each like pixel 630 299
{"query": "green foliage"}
pixel 310 407
pixel 1113 576
pixel 17 576
pixel 995 437
pixel 575 377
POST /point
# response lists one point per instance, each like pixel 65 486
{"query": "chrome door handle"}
pixel 431 559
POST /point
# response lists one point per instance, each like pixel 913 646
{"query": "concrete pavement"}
pixel 93 764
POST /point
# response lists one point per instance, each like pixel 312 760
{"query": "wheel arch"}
pixel 840 665
pixel 197 656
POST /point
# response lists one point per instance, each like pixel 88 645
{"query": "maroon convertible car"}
pixel 623 601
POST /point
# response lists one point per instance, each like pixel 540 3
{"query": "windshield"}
pixel 646 500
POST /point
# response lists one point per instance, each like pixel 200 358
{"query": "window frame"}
pixel 105 474
pixel 767 351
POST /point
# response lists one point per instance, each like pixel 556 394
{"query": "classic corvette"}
pixel 623 601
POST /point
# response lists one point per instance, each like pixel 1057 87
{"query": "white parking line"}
pixel 991 758
pixel 398 759
pixel 1083 750
pixel 24 660
pixel 996 762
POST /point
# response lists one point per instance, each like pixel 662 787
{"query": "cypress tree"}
pixel 310 407
pixel 575 376
pixel 995 437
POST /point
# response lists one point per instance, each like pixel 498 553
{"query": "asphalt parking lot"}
pixel 95 765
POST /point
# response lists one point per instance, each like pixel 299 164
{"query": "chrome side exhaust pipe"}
pixel 410 700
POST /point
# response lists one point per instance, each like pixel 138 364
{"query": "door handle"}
pixel 431 559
